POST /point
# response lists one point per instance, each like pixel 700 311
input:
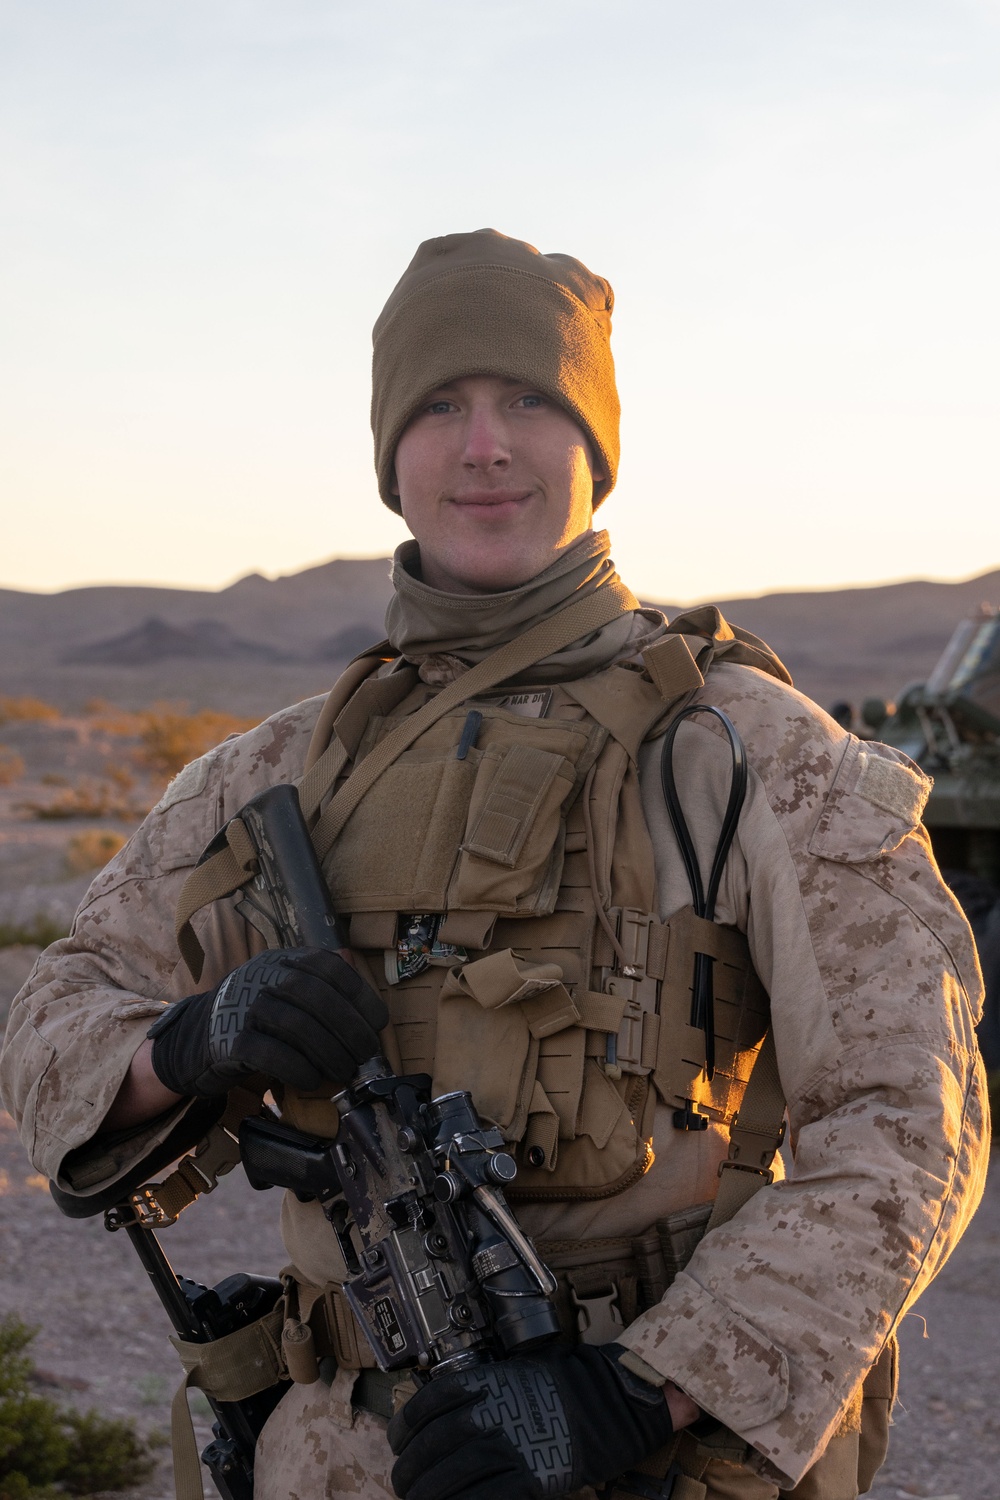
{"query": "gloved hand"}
pixel 301 1016
pixel 526 1427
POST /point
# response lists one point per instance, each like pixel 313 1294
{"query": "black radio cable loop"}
pixel 703 900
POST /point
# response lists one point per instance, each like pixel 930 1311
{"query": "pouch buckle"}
pixel 598 1318
pixel 744 1166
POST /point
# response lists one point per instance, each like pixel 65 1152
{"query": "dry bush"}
pixel 108 718
pixel 26 708
pixel 38 933
pixel 54 778
pixel 87 799
pixel 120 776
pixel 92 850
pixel 11 766
pixel 169 736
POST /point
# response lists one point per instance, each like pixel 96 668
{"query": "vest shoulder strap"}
pixel 317 771
pixel 729 641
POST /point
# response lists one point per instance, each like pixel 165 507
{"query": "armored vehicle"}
pixel 950 725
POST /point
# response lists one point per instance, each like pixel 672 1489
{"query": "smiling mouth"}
pixel 490 499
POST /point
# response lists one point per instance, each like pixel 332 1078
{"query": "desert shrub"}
pixel 26 708
pixel 169 736
pixel 119 775
pixel 92 850
pixel 38 933
pixel 105 1454
pixel 11 766
pixel 111 719
pixel 47 1451
pixel 86 799
pixel 54 778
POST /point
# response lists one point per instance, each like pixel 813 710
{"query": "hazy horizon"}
pixel 216 588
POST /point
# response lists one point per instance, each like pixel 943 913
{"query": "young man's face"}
pixel 494 481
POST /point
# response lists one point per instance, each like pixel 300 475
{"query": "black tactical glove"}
pixel 526 1427
pixel 301 1016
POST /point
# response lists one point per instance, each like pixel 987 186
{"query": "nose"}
pixel 487 443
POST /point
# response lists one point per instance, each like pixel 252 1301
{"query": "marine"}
pixel 534 915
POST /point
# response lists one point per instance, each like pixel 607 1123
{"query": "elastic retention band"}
pixel 703 997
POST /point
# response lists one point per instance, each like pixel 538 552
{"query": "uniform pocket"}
pixel 877 797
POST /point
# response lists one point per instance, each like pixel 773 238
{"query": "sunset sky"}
pixel 204 203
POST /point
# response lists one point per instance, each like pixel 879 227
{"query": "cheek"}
pixel 403 463
pixel 581 472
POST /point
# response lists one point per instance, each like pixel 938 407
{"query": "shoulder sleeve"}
pixel 875 992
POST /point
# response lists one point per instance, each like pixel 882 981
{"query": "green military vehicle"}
pixel 950 725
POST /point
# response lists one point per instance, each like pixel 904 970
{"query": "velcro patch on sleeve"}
pixel 893 787
pixel 876 800
pixel 188 783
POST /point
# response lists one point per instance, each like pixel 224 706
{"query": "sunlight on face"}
pixel 494 481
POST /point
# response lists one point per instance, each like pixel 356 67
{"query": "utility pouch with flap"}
pixel 484 819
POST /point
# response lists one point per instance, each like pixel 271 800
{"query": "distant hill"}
pixel 852 643
pixel 262 642
pixel 155 641
pixel 248 648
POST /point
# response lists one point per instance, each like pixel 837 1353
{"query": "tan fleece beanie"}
pixel 483 304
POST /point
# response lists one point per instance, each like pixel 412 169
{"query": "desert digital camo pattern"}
pixel 875 990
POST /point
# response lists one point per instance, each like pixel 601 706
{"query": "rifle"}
pixel 440 1274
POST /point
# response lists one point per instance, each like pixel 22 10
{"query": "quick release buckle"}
pixel 141 1210
pixel 598 1317
pixel 744 1166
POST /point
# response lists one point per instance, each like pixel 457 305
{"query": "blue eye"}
pixel 532 400
pixel 437 408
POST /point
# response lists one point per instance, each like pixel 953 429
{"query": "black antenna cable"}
pixel 703 994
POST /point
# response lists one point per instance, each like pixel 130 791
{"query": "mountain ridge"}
pixel 286 636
